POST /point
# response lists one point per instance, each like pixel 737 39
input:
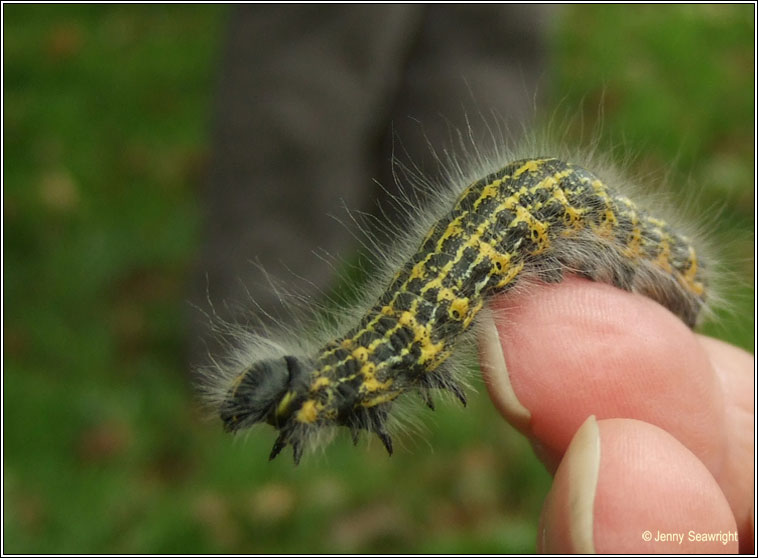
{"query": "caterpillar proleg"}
pixel 533 218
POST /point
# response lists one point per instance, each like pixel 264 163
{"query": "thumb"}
pixel 626 486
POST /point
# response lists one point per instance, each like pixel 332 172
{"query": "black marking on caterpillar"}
pixel 533 218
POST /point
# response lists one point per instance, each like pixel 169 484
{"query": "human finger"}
pixel 558 353
pixel 626 486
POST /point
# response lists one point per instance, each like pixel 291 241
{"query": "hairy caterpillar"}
pixel 538 218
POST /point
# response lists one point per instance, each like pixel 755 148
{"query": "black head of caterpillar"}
pixel 257 393
pixel 534 218
pixel 274 390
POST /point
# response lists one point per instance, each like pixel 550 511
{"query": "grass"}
pixel 105 129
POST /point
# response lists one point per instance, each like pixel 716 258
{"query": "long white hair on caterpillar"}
pixel 500 219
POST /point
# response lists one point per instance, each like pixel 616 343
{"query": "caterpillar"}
pixel 535 218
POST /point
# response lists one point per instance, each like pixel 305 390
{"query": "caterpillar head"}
pixel 264 392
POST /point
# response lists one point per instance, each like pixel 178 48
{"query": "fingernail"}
pixel 496 376
pixel 568 516
pixel 584 466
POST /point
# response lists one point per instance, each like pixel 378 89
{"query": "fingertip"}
pixel 655 496
pixel 580 347
pixel 728 355
pixel 625 486
pixel 496 377
pixel 567 519
pixel 735 370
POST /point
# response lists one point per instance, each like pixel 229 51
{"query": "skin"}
pixel 647 426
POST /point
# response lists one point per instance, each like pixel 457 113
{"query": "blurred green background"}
pixel 106 139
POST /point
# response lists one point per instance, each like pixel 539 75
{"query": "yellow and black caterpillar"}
pixel 537 218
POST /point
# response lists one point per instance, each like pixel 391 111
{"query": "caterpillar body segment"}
pixel 534 218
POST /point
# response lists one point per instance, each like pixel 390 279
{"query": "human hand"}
pixel 647 426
